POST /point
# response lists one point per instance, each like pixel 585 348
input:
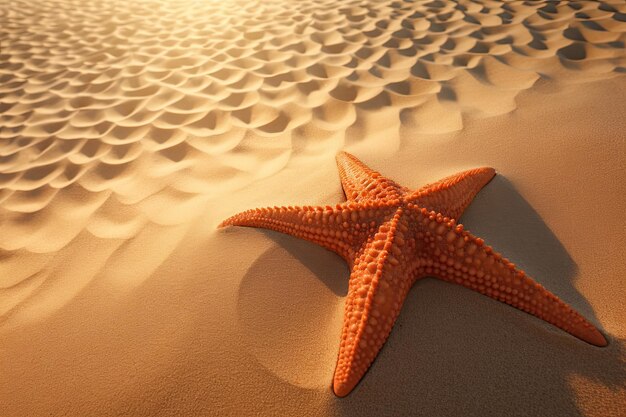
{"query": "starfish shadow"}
pixel 509 224
pixel 315 259
pixel 293 337
pixel 457 352
pixel 452 351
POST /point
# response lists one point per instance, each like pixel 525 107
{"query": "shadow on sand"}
pixel 456 352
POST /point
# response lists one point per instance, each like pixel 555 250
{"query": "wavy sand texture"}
pixel 123 124
pixel 143 112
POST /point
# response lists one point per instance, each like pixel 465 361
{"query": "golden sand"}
pixel 129 130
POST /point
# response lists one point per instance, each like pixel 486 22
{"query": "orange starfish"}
pixel 391 237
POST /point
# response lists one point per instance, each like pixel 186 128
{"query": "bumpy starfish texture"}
pixel 391 237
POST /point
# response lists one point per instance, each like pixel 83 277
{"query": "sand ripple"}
pixel 115 115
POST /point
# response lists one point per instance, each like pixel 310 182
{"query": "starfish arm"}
pixel 339 229
pixel 451 195
pixel 360 183
pixel 457 256
pixel 375 295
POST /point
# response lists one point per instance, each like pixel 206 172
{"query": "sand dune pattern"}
pixel 114 115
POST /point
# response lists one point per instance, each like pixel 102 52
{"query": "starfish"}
pixel 391 237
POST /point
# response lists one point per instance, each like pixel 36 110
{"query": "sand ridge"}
pixel 106 100
pixel 93 98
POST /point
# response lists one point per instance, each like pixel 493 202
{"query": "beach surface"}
pixel 130 130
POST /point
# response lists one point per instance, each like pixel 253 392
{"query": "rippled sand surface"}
pixel 128 130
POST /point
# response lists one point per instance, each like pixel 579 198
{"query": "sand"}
pixel 129 130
